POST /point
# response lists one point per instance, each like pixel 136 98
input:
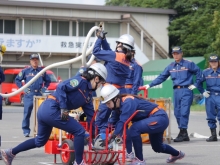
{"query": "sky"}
pixel 86 2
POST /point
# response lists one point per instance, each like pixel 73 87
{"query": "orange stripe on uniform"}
pixel 126 97
pixel 153 123
pixel 128 86
pixel 116 85
pixel 120 57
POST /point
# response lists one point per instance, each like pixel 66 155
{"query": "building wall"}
pixel 147 49
pixel 155 24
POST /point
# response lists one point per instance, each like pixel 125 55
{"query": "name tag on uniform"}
pixel 183 68
pixel 209 75
pixel 218 75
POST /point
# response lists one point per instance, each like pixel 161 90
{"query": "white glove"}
pixel 147 86
pixel 191 87
pixel 206 94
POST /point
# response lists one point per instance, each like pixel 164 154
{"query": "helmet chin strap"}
pixel 114 102
pixel 96 86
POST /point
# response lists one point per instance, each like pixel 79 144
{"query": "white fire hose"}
pixel 83 57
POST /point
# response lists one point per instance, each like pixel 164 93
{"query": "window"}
pixel 47 27
pixel 60 28
pixel 7 26
pixel 84 28
pixel 20 26
pixel 74 28
pixel 33 26
pixel 113 29
pixel 10 78
pixel 1 26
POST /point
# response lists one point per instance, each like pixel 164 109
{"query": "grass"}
pixel 196 108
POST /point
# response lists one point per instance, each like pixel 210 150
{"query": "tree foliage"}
pixel 196 27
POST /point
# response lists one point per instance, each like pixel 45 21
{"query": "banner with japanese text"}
pixel 55 44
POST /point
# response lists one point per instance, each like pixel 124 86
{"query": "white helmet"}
pixel 126 39
pixel 108 92
pixel 100 69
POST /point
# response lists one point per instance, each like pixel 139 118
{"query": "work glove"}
pixel 206 94
pixel 26 90
pixel 111 139
pixel 191 87
pixel 101 34
pixel 43 90
pixel 64 114
pixel 86 138
pixel 147 86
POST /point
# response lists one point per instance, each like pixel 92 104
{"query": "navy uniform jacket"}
pixel 27 74
pixel 2 76
pixel 212 80
pixel 135 77
pixel 129 105
pixel 115 63
pixel 2 79
pixel 181 74
pixel 74 93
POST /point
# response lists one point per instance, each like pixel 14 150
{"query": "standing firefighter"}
pixel 181 72
pixel 118 66
pixel 35 89
pixel 54 112
pixel 2 79
pixel 135 78
pixel 212 94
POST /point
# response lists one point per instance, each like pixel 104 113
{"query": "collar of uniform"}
pixel 32 69
pixel 180 63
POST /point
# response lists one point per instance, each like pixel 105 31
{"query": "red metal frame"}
pixel 91 156
pixel 143 88
pixel 52 146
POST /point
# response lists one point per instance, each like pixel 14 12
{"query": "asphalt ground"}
pixel 198 151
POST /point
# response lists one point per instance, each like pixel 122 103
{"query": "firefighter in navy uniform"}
pixel 54 112
pixel 35 89
pixel 118 66
pixel 2 79
pixel 152 120
pixel 135 78
pixel 211 76
pixel 181 72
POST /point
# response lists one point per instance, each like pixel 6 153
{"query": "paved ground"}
pixel 198 151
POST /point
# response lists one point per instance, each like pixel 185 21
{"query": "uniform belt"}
pixel 34 90
pixel 128 86
pixel 178 86
pixel 215 93
pixel 154 111
pixel 52 97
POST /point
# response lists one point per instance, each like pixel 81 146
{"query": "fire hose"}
pixel 82 57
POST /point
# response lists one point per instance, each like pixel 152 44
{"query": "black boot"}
pixel 183 136
pixel 213 136
pixel 0 156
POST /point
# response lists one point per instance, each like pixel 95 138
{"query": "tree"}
pixel 192 27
